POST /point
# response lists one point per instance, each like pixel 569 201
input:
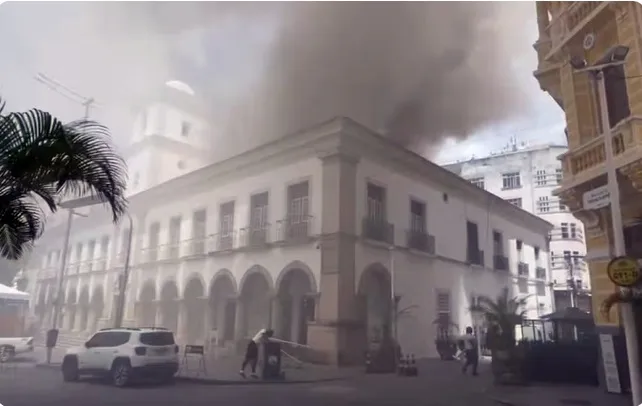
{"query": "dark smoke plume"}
pixel 417 72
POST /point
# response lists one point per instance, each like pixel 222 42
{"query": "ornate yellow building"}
pixel 589 31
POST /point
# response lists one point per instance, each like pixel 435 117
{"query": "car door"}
pixel 88 359
pixel 108 350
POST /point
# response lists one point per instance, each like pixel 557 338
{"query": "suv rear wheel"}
pixel 121 373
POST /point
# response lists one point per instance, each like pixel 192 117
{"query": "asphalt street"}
pixel 28 385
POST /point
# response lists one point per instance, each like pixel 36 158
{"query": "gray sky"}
pixel 119 52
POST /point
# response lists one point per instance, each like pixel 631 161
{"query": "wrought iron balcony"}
pixel 378 230
pixel 294 229
pixel 475 257
pixel 223 241
pixel 500 262
pixel 254 236
pixel 420 241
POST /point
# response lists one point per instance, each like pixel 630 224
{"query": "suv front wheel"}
pixel 70 369
pixel 121 373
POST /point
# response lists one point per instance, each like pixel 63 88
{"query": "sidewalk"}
pixel 553 395
pixel 224 370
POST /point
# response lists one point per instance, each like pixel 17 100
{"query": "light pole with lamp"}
pixel 615 57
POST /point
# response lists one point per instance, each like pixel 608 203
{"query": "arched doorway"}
pixel 169 306
pixel 97 308
pixel 295 306
pixel 222 306
pixel 146 312
pixel 194 302
pixel 83 304
pixel 255 302
pixel 376 303
pixel 70 304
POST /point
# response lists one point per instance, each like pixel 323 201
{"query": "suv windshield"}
pixel 157 338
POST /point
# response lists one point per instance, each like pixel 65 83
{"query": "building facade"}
pixel 311 235
pixel 526 177
pixel 590 31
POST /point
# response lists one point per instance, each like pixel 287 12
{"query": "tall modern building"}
pixel 526 177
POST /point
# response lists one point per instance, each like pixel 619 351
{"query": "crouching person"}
pixel 252 351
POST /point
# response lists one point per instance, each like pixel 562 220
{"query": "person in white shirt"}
pixel 252 351
pixel 471 351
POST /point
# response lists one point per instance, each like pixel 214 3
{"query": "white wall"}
pixel 418 277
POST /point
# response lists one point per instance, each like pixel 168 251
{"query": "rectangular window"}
pixel 104 247
pixel 565 231
pixel 573 230
pixel 376 202
pixel 227 219
pixel 498 243
pixel 199 231
pixel 298 203
pixel 540 273
pixel 79 252
pixel 519 246
pixel 576 258
pixel 540 288
pixel 174 236
pixel 259 205
pixel 540 177
pixel 479 182
pixel 417 216
pixel 558 175
pixel 516 202
pixel 543 204
pixel 443 311
pixel 537 253
pixel 154 239
pixel 511 180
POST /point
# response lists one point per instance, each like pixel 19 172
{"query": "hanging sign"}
pixel 623 271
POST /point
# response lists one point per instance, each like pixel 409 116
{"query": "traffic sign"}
pixel 596 198
pixel 623 271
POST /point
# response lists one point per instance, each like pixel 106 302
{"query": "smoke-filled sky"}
pixel 417 72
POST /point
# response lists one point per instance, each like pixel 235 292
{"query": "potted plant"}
pixel 502 315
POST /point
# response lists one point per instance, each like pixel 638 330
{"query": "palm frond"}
pixel 76 158
pixel 21 223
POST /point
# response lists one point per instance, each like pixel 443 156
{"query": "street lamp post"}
pixel 616 57
pixel 124 277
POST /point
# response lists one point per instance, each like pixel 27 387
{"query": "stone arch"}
pixel 194 302
pixel 295 303
pixel 375 302
pixel 222 305
pixel 71 307
pixel 83 304
pixel 255 297
pixel 298 266
pixel 253 270
pixel 168 305
pixel 97 307
pixel 146 306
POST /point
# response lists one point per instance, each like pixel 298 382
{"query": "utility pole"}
pixel 87 102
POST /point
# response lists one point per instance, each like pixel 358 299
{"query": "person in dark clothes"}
pixel 471 351
pixel 252 351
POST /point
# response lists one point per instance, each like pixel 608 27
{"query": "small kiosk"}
pixel 14 308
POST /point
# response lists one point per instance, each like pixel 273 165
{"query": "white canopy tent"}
pixel 9 293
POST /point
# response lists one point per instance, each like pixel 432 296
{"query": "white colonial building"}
pixel 526 177
pixel 311 235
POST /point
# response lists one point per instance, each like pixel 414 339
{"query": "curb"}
pixel 229 382
pixel 225 382
pixel 53 365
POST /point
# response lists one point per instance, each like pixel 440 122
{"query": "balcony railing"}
pixel 294 229
pixel 523 269
pixel 571 19
pixel 557 234
pixel 255 236
pixel 378 230
pixel 588 160
pixel 475 257
pixel 500 262
pixel 561 262
pixel 222 241
pixel 420 241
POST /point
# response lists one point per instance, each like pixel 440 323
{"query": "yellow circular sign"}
pixel 623 271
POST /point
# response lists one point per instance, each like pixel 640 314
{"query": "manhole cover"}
pixel 579 402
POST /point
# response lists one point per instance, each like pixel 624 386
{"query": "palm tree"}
pixel 43 160
pixel 501 315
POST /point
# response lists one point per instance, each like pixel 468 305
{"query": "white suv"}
pixel 124 354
